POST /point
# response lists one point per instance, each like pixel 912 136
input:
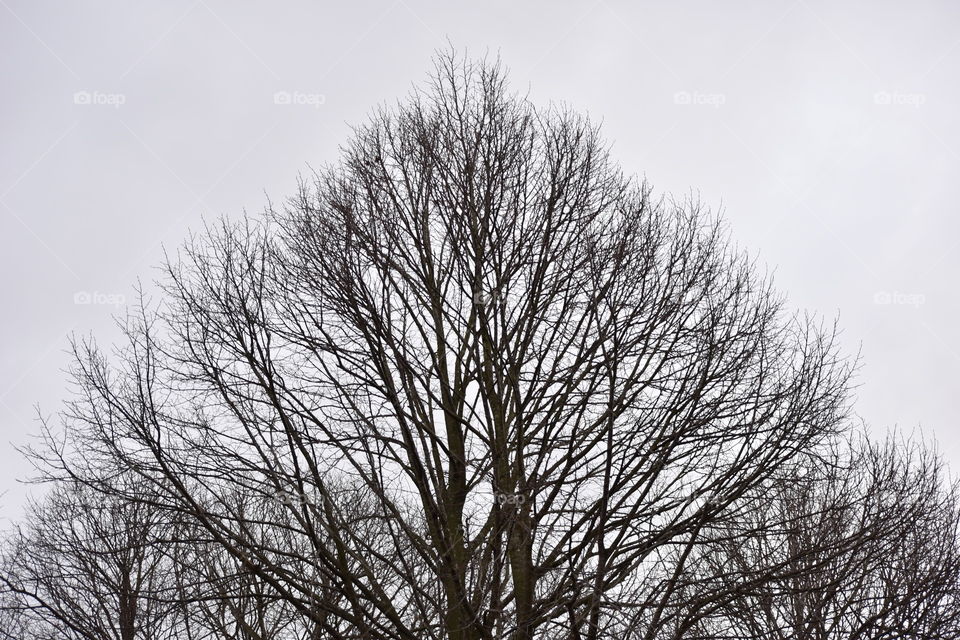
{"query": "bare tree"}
pixel 85 566
pixel 505 376
pixel 15 621
pixel 865 546
pixel 226 600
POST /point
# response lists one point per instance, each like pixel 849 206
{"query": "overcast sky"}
pixel 828 135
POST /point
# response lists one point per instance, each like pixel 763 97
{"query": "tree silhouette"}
pixel 471 382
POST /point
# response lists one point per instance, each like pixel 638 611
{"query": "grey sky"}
pixel 828 135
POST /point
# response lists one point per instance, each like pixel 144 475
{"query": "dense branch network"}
pixel 472 382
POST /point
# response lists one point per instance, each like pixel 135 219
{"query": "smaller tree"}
pixel 86 566
pixel 223 598
pixel 864 545
pixel 15 624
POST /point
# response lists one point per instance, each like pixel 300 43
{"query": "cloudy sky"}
pixel 828 135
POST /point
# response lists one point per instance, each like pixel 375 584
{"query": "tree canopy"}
pixel 473 382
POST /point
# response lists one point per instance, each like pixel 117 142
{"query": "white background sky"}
pixel 827 132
